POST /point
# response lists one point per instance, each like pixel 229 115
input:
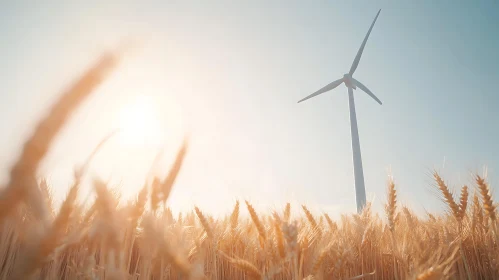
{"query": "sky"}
pixel 229 75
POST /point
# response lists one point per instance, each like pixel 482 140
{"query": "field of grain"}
pixel 141 239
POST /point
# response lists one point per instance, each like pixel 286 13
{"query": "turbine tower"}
pixel 351 84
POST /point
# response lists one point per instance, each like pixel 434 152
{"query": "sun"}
pixel 140 123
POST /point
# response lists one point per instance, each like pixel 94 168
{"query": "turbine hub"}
pixel 348 81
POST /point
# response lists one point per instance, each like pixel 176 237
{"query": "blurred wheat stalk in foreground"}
pixel 143 240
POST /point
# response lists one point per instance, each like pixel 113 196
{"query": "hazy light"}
pixel 139 123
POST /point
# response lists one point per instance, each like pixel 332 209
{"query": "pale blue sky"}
pixel 231 73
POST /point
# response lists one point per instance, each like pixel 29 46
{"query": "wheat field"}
pixel 142 239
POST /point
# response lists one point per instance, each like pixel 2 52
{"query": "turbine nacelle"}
pixel 348 80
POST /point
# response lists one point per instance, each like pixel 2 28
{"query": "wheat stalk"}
pixel 448 197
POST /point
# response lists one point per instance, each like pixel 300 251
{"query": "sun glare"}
pixel 140 123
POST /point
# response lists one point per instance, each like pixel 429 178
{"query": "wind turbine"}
pixel 351 84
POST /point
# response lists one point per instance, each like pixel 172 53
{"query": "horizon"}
pixel 231 83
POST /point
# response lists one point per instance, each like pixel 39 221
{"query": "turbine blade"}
pixel 359 53
pixel 366 90
pixel 324 89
